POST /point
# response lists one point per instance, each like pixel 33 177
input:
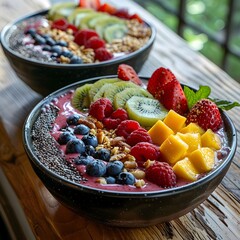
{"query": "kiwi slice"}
pixel 145 110
pixel 118 87
pixel 121 98
pixel 61 10
pixel 84 23
pixel 98 84
pixel 115 31
pixel 101 91
pixel 94 20
pixel 79 13
pixel 80 99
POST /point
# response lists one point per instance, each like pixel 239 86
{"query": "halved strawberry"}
pixel 94 4
pixel 206 114
pixel 136 17
pixel 127 73
pixel 164 86
pixel 106 7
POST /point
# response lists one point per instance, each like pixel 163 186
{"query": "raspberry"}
pixel 126 127
pixel 139 135
pixel 115 119
pixel 95 42
pixel 102 54
pixel 161 173
pixel 72 27
pixel 60 24
pixel 143 151
pixel 82 36
pixel 101 108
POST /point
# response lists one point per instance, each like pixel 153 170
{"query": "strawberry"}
pixel 106 7
pixel 164 86
pixel 127 73
pixel 206 114
pixel 94 4
pixel 136 17
pixel 102 54
pixel 60 24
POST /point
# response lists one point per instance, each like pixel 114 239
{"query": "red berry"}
pixel 73 28
pixel 95 42
pixel 60 24
pixel 137 17
pixel 127 73
pixel 143 151
pixel 126 127
pixel 102 54
pixel 139 135
pixel 115 119
pixel 101 108
pixel 94 4
pixel 106 7
pixel 161 173
pixel 82 36
pixel 122 13
pixel 206 114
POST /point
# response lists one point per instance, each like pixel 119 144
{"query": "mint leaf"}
pixel 194 96
pixel 225 105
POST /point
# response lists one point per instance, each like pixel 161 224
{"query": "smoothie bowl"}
pixel 112 150
pixel 69 42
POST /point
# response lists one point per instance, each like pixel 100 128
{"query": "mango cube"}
pixel 173 149
pixel 174 120
pixel 192 128
pixel 211 140
pixel 193 140
pixel 185 169
pixel 203 159
pixel 159 132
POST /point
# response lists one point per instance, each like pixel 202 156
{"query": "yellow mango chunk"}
pixel 211 140
pixel 203 159
pixel 173 149
pixel 185 169
pixel 192 128
pixel 193 140
pixel 159 132
pixel 174 120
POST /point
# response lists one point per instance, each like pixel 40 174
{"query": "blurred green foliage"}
pixel 211 15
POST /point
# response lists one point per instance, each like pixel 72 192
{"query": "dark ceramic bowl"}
pixel 45 78
pixel 126 209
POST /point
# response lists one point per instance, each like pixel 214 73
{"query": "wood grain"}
pixel 216 218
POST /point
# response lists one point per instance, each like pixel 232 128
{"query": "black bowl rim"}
pixel 9 26
pixel 161 193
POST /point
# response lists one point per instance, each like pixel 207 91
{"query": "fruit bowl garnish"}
pixel 124 134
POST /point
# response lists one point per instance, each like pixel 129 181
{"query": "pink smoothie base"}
pixel 63 103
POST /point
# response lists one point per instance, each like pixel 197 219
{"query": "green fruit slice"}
pixel 115 31
pixel 121 98
pixel 101 91
pixel 84 23
pixel 116 88
pixel 80 99
pixel 61 10
pixel 146 111
pixel 98 18
pixel 97 85
pixel 79 13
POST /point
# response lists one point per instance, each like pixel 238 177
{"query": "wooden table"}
pixel 30 211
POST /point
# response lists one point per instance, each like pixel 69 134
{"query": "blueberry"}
pixel 75 146
pixel 50 41
pixel 75 60
pixel 89 150
pixel 62 43
pixel 83 160
pixel 67 53
pixel 64 137
pixel 73 119
pixel 125 178
pixel 110 180
pixel 114 168
pixel 90 140
pixel 46 48
pixel 57 49
pixel 81 129
pixel 39 39
pixel 103 154
pixel 31 31
pixel 96 168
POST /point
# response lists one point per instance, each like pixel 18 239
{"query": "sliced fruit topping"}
pixel 164 86
pixel 116 88
pixel 106 7
pixel 82 36
pixel 95 42
pixel 79 13
pixel 115 31
pixel 162 174
pixel 206 114
pixel 146 111
pixel 122 97
pixel 127 73
pixel 126 127
pixel 94 4
pixel 60 24
pixel 139 135
pixel 101 108
pixel 102 54
pixel 80 99
pixel 144 151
